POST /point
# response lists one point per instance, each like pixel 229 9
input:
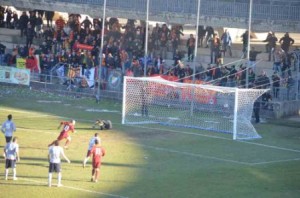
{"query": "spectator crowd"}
pixel 75 43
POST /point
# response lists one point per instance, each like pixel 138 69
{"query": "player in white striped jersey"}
pixel 11 155
pixel 8 127
pixel 92 143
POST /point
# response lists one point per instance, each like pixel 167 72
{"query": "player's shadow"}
pixel 31 161
pixel 34 148
pixel 45 178
pixel 88 129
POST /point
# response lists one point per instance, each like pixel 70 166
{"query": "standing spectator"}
pixel 87 23
pixel 156 37
pixel 286 42
pixel 231 76
pixel 23 23
pixel 174 41
pixel 252 58
pixel 2 10
pixel 136 68
pixel 289 85
pixel 9 15
pixel 39 26
pixel 215 45
pixel 251 77
pixel 164 35
pixel 276 84
pixel 201 35
pixel 256 109
pixel 226 42
pixel 278 58
pixel 271 45
pixel 209 34
pixel 32 19
pixel 181 71
pixel 8 128
pixel 30 34
pixel 269 35
pixel 98 152
pixel 245 41
pixel 60 24
pixel 55 152
pixel 286 65
pixel 11 155
pixel 15 20
pixel 190 44
pixel 49 17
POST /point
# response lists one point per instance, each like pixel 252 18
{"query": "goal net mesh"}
pixel 155 100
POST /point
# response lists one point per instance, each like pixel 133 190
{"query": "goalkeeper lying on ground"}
pixel 102 124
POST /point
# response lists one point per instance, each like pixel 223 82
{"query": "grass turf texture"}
pixel 147 160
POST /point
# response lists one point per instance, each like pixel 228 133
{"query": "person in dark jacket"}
pixel 256 109
pixel 30 34
pixel 49 17
pixel 271 45
pixel 23 23
pixel 286 42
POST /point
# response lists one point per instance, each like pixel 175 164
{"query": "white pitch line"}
pixel 191 154
pixel 270 146
pixel 74 188
pixel 216 137
pixel 275 161
pixel 181 132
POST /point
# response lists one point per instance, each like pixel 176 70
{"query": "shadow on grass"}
pixel 20 184
pixel 77 162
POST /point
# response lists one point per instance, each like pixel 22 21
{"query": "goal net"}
pixel 149 100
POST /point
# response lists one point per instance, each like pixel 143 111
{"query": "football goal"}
pixel 149 100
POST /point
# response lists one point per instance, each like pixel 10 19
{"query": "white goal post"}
pixel 149 100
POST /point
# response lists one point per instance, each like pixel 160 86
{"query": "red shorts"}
pixel 96 164
pixel 62 136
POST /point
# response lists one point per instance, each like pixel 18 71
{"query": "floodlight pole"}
pixel 235 113
pixel 297 54
pixel 146 39
pixel 101 50
pixel 248 47
pixel 196 40
pixel 195 57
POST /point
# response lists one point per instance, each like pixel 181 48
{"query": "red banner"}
pixel 203 96
pixel 83 46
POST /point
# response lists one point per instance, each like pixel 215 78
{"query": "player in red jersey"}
pixel 98 152
pixel 64 134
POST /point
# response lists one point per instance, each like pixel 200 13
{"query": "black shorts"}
pixel 8 138
pixel 54 167
pixel 10 163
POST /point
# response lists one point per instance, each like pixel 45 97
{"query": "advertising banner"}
pixel 14 75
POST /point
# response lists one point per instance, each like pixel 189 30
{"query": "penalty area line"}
pixel 192 154
pixel 75 188
pixel 275 161
pixel 216 137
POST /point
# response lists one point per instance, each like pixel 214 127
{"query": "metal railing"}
pixel 262 10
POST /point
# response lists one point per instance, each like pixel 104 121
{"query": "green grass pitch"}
pixel 145 161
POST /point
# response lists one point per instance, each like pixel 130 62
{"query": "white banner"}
pixel 14 75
